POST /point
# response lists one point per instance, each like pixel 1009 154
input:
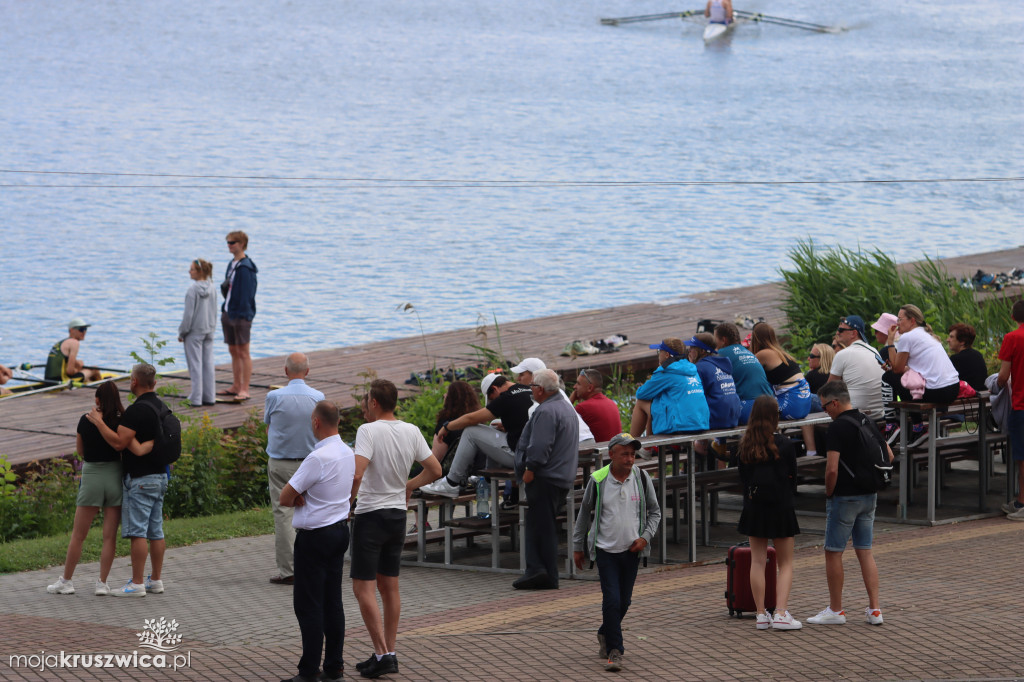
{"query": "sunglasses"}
pixel 845 329
pixel 812 356
pixel 231 243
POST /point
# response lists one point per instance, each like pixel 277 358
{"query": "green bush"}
pixel 245 464
pixel 422 409
pixel 43 504
pixel 825 285
pixel 195 485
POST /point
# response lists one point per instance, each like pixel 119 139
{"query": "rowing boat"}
pixel 713 32
pixel 44 386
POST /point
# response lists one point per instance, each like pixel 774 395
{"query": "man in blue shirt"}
pixel 747 372
pixel 287 412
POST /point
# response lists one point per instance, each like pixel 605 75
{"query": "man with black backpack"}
pixel 145 478
pixel 858 465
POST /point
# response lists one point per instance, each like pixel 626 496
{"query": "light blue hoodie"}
pixel 677 399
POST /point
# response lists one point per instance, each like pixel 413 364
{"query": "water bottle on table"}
pixel 483 498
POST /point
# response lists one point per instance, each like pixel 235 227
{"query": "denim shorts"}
pixel 1016 434
pixel 849 516
pixel 142 506
pixel 795 400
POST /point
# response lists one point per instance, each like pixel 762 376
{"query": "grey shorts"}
pixel 236 330
pixel 100 485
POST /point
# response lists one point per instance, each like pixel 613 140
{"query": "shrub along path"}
pixel 43 426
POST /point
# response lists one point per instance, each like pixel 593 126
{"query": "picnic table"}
pixel 938 442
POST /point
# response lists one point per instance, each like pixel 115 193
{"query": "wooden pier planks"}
pixel 43 426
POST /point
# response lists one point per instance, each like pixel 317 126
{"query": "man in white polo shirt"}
pixel 320 492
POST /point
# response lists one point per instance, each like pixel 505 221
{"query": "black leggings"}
pixel 943 394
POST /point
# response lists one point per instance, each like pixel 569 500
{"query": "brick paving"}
pixel 950 596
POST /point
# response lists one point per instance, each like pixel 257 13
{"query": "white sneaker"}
pixel 764 621
pixel 441 487
pixel 1017 515
pixel 154 586
pixel 61 587
pixel 130 589
pixel 102 589
pixel 1010 507
pixel 828 617
pixel 785 622
pixel 873 616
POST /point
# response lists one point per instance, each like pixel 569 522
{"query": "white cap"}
pixel 530 365
pixel 485 383
pixel 78 322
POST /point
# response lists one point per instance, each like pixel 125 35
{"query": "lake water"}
pixel 510 157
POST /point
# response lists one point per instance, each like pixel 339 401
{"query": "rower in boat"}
pixel 719 12
pixel 63 363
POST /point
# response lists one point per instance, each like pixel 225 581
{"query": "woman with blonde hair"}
pixel 819 362
pixel 767 467
pixel 918 349
pixel 783 372
pixel 196 332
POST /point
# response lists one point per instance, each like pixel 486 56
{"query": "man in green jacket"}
pixel 626 515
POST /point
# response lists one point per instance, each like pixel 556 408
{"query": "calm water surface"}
pixel 370 98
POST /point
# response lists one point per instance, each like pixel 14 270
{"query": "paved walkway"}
pixel 951 596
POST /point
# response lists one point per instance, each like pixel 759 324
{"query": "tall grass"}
pixel 825 285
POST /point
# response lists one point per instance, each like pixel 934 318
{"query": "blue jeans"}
pixel 618 573
pixel 142 506
pixel 1015 431
pixel 849 516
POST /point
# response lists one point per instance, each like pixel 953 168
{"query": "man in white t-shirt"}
pixel 320 491
pixel 385 450
pixel 859 366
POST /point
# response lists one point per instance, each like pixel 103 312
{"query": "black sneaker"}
pixel 367 663
pixel 387 664
pixel 918 437
pixel 327 677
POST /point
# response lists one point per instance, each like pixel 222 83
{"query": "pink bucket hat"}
pixel 883 323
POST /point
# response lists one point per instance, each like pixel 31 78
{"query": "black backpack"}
pixel 872 471
pixel 167 444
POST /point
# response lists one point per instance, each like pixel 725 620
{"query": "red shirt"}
pixel 1012 351
pixel 601 414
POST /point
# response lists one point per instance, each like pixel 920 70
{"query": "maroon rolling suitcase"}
pixel 737 594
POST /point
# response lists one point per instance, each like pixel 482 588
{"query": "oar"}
pixel 22 375
pixel 107 369
pixel 55 387
pixel 650 17
pixel 31 365
pixel 782 21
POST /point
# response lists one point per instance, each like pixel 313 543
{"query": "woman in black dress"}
pixel 767 464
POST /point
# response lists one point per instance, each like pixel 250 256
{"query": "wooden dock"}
pixel 43 426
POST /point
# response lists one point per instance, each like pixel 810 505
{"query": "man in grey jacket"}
pixel 626 519
pixel 547 457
